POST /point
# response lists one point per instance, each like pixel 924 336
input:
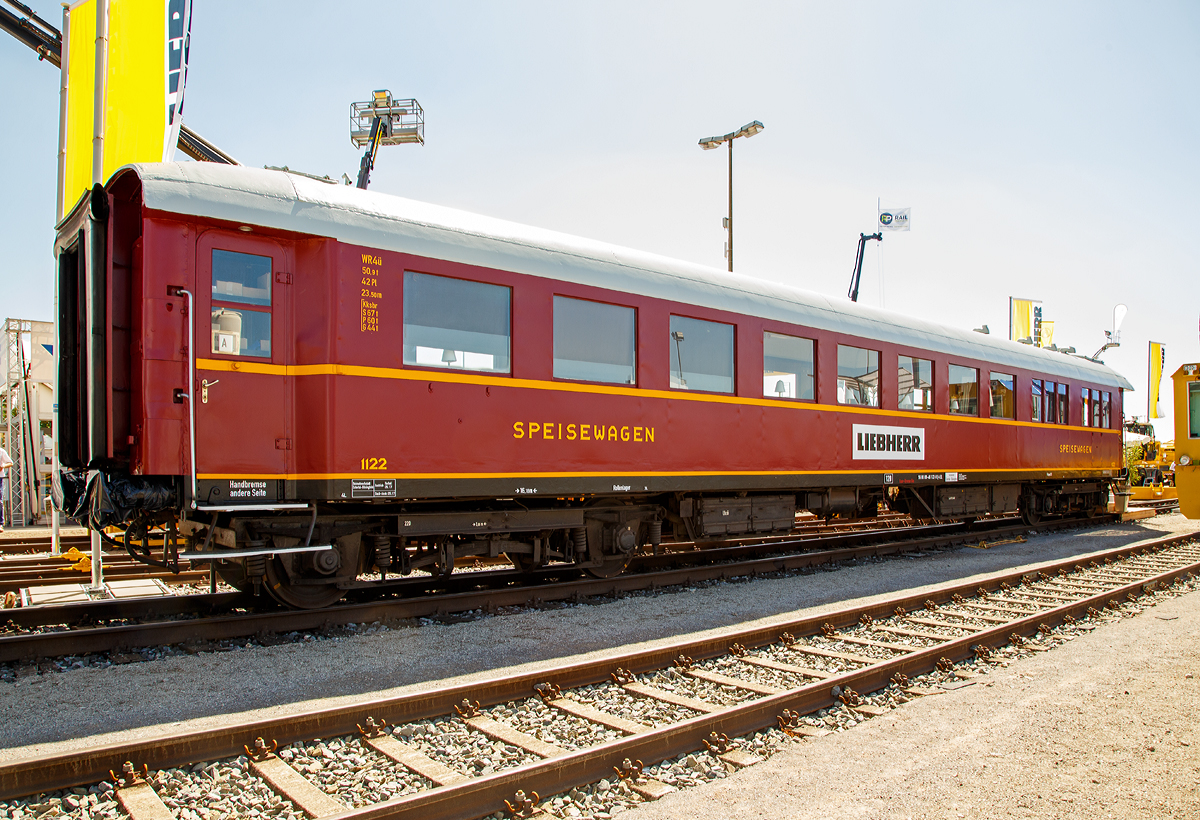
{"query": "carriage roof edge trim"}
pixel 289 202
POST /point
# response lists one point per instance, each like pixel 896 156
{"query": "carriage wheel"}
pixel 299 596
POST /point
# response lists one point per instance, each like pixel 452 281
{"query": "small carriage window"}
pixel 1193 409
pixel 1051 403
pixel 1106 409
pixel 1035 390
pixel 701 355
pixel 594 342
pixel 1004 405
pixel 788 367
pixel 457 324
pixel 1086 403
pixel 241 279
pixel 964 390
pixel 1064 409
pixel 858 376
pixel 915 384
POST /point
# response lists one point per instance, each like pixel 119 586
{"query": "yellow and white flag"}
pixel 1021 318
pixel 141 93
pixel 1158 358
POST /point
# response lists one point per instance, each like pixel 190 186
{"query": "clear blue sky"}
pixel 1048 150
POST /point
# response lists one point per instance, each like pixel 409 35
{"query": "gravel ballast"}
pixel 57 711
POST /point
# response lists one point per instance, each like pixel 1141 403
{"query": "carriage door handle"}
pixel 204 385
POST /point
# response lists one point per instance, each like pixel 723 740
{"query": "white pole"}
pixel 63 82
pixel 100 111
pixel 97 565
pixel 98 179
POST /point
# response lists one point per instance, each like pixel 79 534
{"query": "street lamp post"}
pixel 747 130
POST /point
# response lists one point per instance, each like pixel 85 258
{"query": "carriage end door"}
pixel 243 393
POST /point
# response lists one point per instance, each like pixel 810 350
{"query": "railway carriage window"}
pixel 241 279
pixel 1037 411
pixel 1193 396
pixel 788 367
pixel 701 355
pixel 915 384
pixel 1004 404
pixel 1093 407
pixel 858 376
pixel 964 390
pixel 1051 403
pixel 1106 409
pixel 1064 410
pixel 456 324
pixel 593 341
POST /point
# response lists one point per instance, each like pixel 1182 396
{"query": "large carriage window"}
pixel 594 342
pixel 1004 404
pixel 241 279
pixel 456 324
pixel 1035 389
pixel 788 367
pixel 964 390
pixel 915 384
pixel 858 376
pixel 701 355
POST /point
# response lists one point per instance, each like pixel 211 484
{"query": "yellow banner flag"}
pixel 1022 319
pixel 145 64
pixel 1047 332
pixel 1158 357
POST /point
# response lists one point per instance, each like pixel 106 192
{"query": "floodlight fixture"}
pixel 709 143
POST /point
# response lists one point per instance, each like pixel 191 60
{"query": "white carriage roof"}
pixel 292 202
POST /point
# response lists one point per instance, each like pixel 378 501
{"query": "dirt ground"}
pixel 1103 726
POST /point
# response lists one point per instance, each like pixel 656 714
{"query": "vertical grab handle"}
pixel 187 394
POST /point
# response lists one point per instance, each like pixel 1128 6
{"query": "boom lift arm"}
pixel 368 160
pixel 862 242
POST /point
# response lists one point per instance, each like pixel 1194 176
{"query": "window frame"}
pixel 878 405
pixel 1037 401
pixel 221 243
pixel 932 384
pixel 404 291
pixel 951 383
pixel 553 339
pixel 815 365
pixel 1012 392
pixel 674 353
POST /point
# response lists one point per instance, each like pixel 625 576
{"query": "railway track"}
pixel 725 701
pixel 1160 505
pixel 34 633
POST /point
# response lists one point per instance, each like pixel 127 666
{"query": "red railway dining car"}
pixel 313 381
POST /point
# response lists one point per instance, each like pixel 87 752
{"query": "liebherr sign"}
pixel 889 443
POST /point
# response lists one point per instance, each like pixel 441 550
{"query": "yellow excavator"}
pixel 1151 465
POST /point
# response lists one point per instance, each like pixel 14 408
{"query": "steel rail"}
pixel 32 775
pixel 24 647
pixel 481 796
